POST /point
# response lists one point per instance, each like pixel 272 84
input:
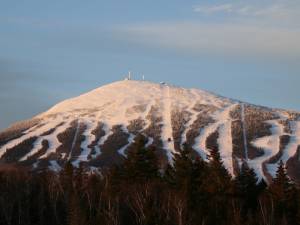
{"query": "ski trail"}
pixel 89 138
pixel 200 141
pixel 290 150
pixel 74 139
pixel 244 131
pixel 52 139
pixel 225 145
pixel 108 132
pixel 167 131
pixel 271 146
pixel 194 116
pixel 223 121
pixel 225 137
pixel 131 137
pixel 37 146
pixel 33 128
pixel 147 112
pixel 38 132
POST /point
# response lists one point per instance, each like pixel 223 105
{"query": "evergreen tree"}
pixel 197 196
pixel 220 179
pixel 247 190
pixel 283 192
pixel 218 189
pixel 183 166
pixel 66 177
pixel 141 164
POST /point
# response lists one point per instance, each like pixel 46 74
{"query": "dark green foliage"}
pixel 141 163
pixel 284 194
pixel 138 192
pixel 247 190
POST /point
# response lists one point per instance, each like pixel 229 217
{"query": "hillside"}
pixel 97 129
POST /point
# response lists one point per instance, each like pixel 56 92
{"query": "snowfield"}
pixel 121 103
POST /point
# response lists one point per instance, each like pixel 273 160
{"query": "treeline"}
pixel 140 192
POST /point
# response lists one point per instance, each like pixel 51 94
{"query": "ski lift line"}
pixel 244 131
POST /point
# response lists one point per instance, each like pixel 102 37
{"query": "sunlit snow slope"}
pixel 97 128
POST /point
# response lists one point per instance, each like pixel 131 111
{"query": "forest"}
pixel 140 191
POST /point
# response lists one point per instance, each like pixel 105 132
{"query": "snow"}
pixel 146 113
pixel 110 104
pixel 74 139
pixel 167 131
pixel 270 145
pixel 150 142
pixel 223 125
pixel 89 138
pixel 36 132
pixel 54 143
pixel 200 141
pixel 290 150
pixel 131 137
pixel 111 101
pixel 244 130
pixel 102 140
pixel 225 145
pixel 54 166
pixel 191 121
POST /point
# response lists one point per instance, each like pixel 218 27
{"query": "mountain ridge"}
pixel 97 128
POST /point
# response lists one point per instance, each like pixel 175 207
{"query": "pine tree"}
pixel 197 197
pixel 219 176
pixel 76 214
pixel 283 192
pixel 141 164
pixel 66 177
pixel 183 166
pixel 218 189
pixel 247 190
pixel 298 206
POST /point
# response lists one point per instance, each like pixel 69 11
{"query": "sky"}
pixel 54 50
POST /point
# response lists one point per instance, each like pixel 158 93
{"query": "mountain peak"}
pixel 97 129
pixel 132 92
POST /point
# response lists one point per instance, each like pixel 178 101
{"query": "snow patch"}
pixel 223 120
pixel 107 130
pixel 131 137
pixel 271 146
pixel 34 133
pixel 54 143
pixel 89 138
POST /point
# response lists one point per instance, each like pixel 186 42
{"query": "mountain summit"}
pixel 97 129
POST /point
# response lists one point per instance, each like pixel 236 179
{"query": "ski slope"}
pixel 118 104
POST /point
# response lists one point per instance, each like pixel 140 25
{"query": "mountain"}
pixel 97 129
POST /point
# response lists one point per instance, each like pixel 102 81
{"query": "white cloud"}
pixel 214 8
pixel 275 9
pixel 252 28
pixel 237 39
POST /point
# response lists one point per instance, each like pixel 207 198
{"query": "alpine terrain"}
pixel 97 129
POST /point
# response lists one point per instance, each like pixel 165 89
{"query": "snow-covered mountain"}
pixel 97 128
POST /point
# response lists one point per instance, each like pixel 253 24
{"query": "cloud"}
pixel 274 9
pixel 223 39
pixel 214 8
pixel 242 28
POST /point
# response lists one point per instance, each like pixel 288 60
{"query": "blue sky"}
pixel 53 50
